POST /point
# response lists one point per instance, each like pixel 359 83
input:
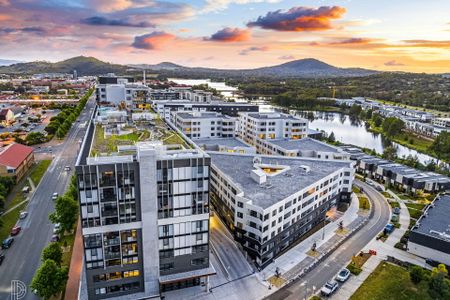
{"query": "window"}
pixel 166 267
pixel 240 204
pixel 199 261
pixel 90 208
pixel 199 237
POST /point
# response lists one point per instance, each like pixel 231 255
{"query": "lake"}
pixel 226 90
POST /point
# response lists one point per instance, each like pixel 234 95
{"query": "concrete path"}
pixel 383 249
pixel 76 266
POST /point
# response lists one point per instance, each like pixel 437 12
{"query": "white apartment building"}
pixel 305 147
pixel 270 202
pixel 115 90
pixel 441 122
pixel 271 126
pixel 197 125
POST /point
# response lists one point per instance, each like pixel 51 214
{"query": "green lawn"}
pixel 418 206
pixel 39 170
pixel 390 282
pixel 10 219
pixel 394 204
pixel 364 202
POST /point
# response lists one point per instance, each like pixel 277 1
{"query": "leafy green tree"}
pixel 393 126
pixel 438 288
pixel 355 110
pixel 377 120
pixel 416 274
pixel 34 138
pixel 441 146
pixel 66 212
pixel 331 137
pixel 390 153
pixel 53 252
pixel 49 280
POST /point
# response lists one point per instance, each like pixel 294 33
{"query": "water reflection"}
pixel 354 131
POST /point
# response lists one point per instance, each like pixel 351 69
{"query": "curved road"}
pixel 327 269
pixel 22 260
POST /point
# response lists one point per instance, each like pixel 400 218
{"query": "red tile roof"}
pixel 14 154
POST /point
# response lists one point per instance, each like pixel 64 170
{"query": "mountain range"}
pixel 303 68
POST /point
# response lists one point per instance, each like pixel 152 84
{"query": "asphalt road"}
pixel 230 258
pixel 328 269
pixel 23 258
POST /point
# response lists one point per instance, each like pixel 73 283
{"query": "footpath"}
pixel 383 249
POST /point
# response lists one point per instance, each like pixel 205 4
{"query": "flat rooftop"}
pixel 238 167
pixel 228 142
pixel 274 116
pixel 307 144
pixel 201 115
pixel 437 218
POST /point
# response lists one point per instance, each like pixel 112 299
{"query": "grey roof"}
pixel 437 217
pixel 273 116
pixel 228 142
pixel 201 115
pixel 237 167
pixel 308 144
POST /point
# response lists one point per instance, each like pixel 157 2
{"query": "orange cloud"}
pixel 427 43
pixel 152 41
pixel 4 17
pixel 300 19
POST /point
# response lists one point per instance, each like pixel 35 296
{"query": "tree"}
pixel 390 153
pixel 441 146
pixel 53 252
pixel 49 279
pixel 66 212
pixel 355 110
pixel 416 274
pixel 438 288
pixel 393 126
pixel 377 120
pixel 331 137
pixel 34 138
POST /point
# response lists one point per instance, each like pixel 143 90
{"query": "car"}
pixel 6 244
pixel 394 218
pixel 23 214
pixel 66 168
pixel 396 211
pixel 56 228
pixel 343 275
pixel 55 238
pixel 15 230
pixel 329 288
pixel 2 258
pixel 55 196
pixel 26 189
pixel 389 228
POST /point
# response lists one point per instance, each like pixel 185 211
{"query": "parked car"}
pixel 2 258
pixel 389 228
pixel 15 230
pixel 55 196
pixel 56 228
pixel 6 244
pixel 26 189
pixel 343 275
pixel 329 288
pixel 394 218
pixel 396 211
pixel 66 168
pixel 23 214
pixel 55 238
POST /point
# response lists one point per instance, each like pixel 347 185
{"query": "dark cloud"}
pixel 152 41
pixel 300 19
pixel 230 35
pixel 102 21
pixel 37 30
pixel 393 63
pixel 253 49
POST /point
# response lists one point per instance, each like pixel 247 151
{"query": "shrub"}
pixel 416 274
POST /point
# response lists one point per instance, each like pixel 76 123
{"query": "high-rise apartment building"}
pixel 145 221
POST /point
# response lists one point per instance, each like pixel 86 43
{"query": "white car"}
pixel 56 228
pixel 23 214
pixel 343 275
pixel 55 196
pixel 329 288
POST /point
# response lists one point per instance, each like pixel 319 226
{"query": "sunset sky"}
pixel 406 35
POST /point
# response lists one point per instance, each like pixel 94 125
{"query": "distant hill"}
pixel 303 68
pixel 8 62
pixel 84 66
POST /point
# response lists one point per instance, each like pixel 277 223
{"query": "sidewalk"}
pixel 384 249
pixel 76 265
pixel 291 263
